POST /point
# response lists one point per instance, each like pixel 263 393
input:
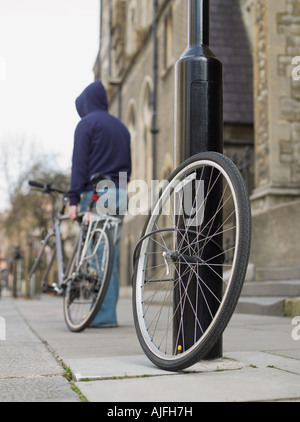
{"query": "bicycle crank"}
pixel 53 290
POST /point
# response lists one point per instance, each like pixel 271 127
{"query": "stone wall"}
pixel 277 136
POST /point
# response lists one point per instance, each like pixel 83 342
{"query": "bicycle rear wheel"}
pixel 88 280
pixel 191 261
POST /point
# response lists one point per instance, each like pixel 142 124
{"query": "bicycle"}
pixel 187 277
pixel 3 281
pixel 84 283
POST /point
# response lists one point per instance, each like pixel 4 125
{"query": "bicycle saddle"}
pixel 98 177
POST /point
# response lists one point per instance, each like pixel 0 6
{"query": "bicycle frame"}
pixel 92 220
pixel 58 251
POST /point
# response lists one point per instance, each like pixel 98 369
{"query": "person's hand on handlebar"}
pixel 72 212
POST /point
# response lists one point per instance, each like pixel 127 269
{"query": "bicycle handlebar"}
pixel 47 188
pixel 36 184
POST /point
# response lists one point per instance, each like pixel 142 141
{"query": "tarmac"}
pixel 260 363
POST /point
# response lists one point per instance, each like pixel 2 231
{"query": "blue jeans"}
pixel 107 315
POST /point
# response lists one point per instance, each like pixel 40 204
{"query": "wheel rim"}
pixel 159 260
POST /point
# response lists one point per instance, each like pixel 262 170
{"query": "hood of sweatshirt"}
pixel 92 99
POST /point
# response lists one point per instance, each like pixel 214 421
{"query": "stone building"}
pixel 276 197
pixel 256 40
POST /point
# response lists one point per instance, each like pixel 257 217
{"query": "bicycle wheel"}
pixel 88 279
pixel 191 261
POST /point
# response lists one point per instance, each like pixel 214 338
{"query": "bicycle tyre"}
pixel 86 285
pixel 170 244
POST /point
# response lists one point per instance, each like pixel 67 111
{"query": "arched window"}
pixel 146 13
pixel 168 59
pixel 132 127
pixel 132 19
pixel 145 130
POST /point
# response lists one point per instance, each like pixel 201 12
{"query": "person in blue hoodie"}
pixel 101 145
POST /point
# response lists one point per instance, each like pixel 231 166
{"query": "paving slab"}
pixel 28 370
pixel 137 366
pixel 268 360
pixel 244 385
pixel 36 389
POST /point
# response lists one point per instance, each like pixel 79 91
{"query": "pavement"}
pixel 261 362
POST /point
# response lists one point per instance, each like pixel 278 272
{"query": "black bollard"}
pixel 199 128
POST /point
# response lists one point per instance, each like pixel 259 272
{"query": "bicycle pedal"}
pixel 49 290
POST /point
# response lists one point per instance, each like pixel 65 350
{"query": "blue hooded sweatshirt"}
pixel 101 143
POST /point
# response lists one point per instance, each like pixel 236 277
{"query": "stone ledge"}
pixel 277 273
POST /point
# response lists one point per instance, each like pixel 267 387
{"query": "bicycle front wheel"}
pixel 191 261
pixel 88 276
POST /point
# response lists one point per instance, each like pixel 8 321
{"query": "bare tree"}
pixel 26 209
pixel 17 155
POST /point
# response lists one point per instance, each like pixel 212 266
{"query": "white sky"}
pixel 47 52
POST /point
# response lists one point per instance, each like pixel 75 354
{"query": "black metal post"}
pixel 199 90
pixel 199 128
